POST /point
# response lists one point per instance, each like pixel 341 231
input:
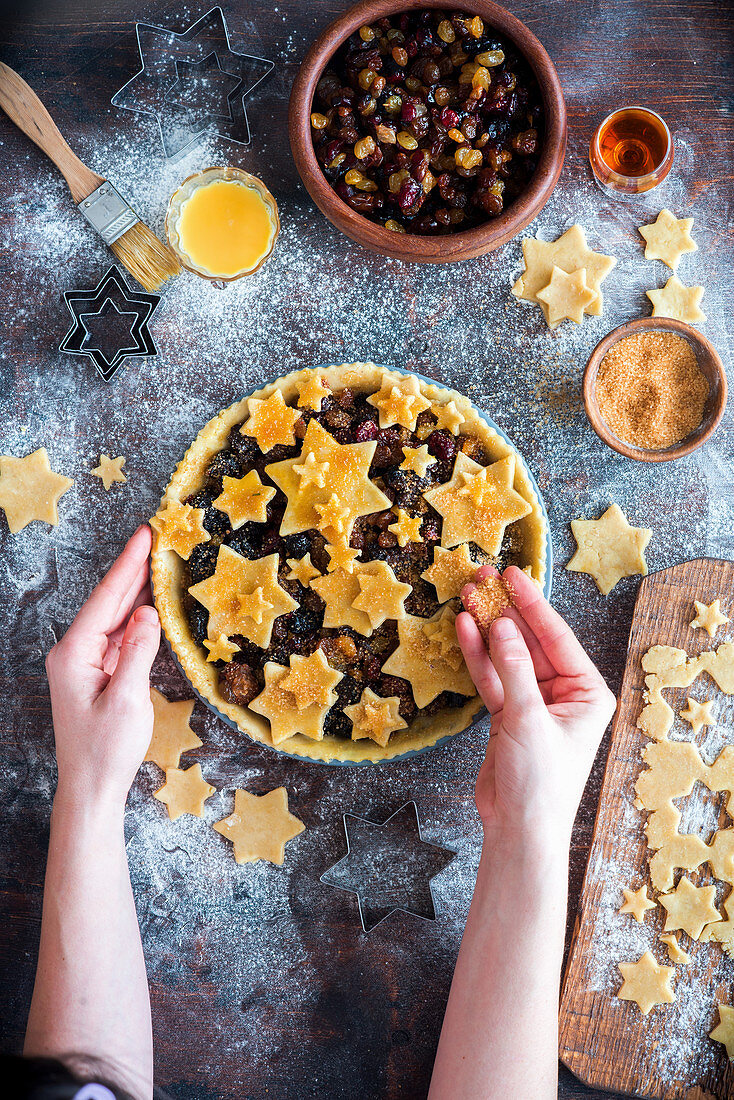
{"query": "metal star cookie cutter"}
pixel 110 323
pixel 192 82
pixel 389 866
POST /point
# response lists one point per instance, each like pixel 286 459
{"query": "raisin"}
pixel 442 445
pixel 303 621
pixel 238 683
pixel 224 464
pixel 203 562
pixel 243 544
pixel 297 546
pixel 215 522
pixel 244 447
pixel 198 617
pixel 366 431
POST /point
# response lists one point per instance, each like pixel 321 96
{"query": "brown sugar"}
pixel 650 390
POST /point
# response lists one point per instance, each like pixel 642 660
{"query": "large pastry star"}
pixel 109 470
pixel 566 296
pixel 421 662
pixel 690 908
pixel 339 589
pixel 311 680
pixel 270 422
pixel 478 510
pixel 709 617
pixel 698 714
pixel 399 401
pixel 450 571
pixel 667 238
pixel 381 594
pixel 179 527
pixel 244 499
pixel 646 982
pixel 260 826
pixel 243 597
pixel 280 706
pixel 375 717
pixel 185 792
pixel 348 480
pixel 724 1030
pixel 172 733
pixel 637 903
pixel 30 490
pixel 678 301
pixel 609 548
pixel 570 252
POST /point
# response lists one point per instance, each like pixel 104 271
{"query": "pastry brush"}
pixel 135 246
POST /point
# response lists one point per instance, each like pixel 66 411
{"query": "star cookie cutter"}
pixel 389 866
pixel 110 323
pixel 192 82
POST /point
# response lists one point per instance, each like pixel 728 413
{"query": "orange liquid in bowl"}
pixel 225 228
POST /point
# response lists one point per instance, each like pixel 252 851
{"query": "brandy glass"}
pixel 631 151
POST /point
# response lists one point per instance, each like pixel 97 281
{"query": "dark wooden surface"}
pixel 261 982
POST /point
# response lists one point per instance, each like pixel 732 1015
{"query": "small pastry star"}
pixel 311 680
pixel 271 422
pixel 451 570
pixel 334 515
pixel 184 792
pixel 179 527
pixel 375 717
pixel 172 733
pixel 312 390
pixel 312 472
pixel 637 903
pixel 698 714
pixel 260 826
pixel 30 490
pixel 677 301
pixel 381 595
pixel 690 908
pixel 667 238
pixel 417 460
pixel 399 401
pixel 479 487
pixel 709 617
pixel 646 982
pixel 566 296
pixel 253 605
pixel 675 951
pixel 441 634
pixel 302 570
pixel 724 1030
pixel 109 470
pixel 609 548
pixel 244 499
pixel 341 556
pixel 221 649
pixel 570 252
pixel 407 529
pixel 448 417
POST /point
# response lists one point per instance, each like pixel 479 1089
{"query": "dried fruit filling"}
pixel 427 122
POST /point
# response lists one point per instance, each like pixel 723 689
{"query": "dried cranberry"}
pixel 408 112
pixel 367 430
pixel 410 197
pixel 449 118
pixel 442 445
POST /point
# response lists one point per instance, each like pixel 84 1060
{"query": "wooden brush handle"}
pixel 24 108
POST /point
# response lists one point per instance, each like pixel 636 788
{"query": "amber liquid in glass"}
pixel 633 142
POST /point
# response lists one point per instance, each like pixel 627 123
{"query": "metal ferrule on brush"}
pixel 108 213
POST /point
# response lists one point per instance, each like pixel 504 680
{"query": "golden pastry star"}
pixel 675 951
pixel 485 523
pixel 109 470
pixel 667 238
pixel 238 595
pixel 609 548
pixel 724 1030
pixel 180 528
pixel 451 570
pixel 381 593
pixel 184 792
pixel 690 908
pixel 698 714
pixel 646 982
pixel 339 590
pixel 281 709
pixel 220 649
pixel 566 296
pixel 244 499
pixel 407 529
pixel 441 634
pixel 637 903
pixel 311 680
pixel 417 460
pixel 375 717
pixel 419 662
pixel 677 301
pixel 312 472
pixel 399 401
pixel 709 617
pixel 271 422
pixel 570 252
pixel 448 417
pixel 312 389
pixel 341 556
pixel 349 466
pixel 172 733
pixel 260 826
pixel 334 516
pixel 30 490
pixel 302 570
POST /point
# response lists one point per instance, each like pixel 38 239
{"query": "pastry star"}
pixel 566 296
pixel 30 489
pixel 311 680
pixel 417 460
pixel 349 466
pixel 448 417
pixel 646 982
pixel 709 617
pixel 375 717
pixel 339 589
pixel 419 662
pixel 184 792
pixel 172 733
pixel 243 596
pixel 609 548
pixel 441 634
pixel 451 570
pixel 698 714
pixel 675 951
pixel 407 529
pixel 280 707
pixel 690 908
pixel 312 472
pixel 381 594
pixel 465 521
pixel 570 252
pixel 260 826
pixel 334 515
pixel 724 1030
pixel 312 389
pixel 677 301
pixel 302 570
pixel 220 649
pixel 341 556
pixel 180 528
pixel 271 422
pixel 399 401
pixel 109 470
pixel 244 499
pixel 637 903
pixel 667 238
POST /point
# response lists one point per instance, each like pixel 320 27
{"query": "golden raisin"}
pixel 446 32
pixel 428 182
pixel 364 147
pixel 378 85
pixel 467 158
pixel 393 103
pixel 365 78
pixel 319 121
pixel 475 27
pixel 406 140
pixel 393 226
pixel 395 180
pixel 385 134
pixel 491 57
pixel 338 160
pixel 399 55
pixel 366 34
pixel 456 135
pixel 441 95
pixel 481 78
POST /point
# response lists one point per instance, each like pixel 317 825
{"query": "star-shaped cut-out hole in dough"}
pixel 675 951
pixel 668 238
pixel 311 680
pixel 466 521
pixel 341 556
pixel 381 594
pixel 567 296
pixel 312 472
pixel 441 634
pixel 179 527
pixel 709 617
pixel 184 792
pixel 417 460
pixel 609 548
pixel 690 908
pixel 448 417
pixel 30 490
pixel 724 1030
pixel 220 649
pixel 450 571
pixel 418 659
pixel 570 252
pixel 172 733
pixel 646 982
pixel 680 302
pixel 334 517
pixel 271 422
pixel 312 389
pixel 109 470
pixel 637 903
pixel 260 826
pixel 243 597
pixel 375 717
pixel 399 401
pixel 244 499
pixel 698 714
pixel 407 528
pixel 302 569
pixel 702 813
pixel 281 708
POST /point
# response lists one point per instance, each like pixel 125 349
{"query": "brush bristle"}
pixel 146 258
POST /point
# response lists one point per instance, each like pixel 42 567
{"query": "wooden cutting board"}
pixel 606 1042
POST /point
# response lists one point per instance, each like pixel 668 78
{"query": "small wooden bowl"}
pixel 413 247
pixel 708 361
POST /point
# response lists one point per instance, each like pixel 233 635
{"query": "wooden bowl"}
pixel 409 246
pixel 710 365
